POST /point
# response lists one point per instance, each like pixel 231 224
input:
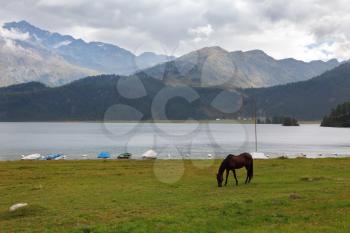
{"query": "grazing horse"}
pixel 232 162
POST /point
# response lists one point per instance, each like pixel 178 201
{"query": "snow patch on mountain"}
pixel 62 43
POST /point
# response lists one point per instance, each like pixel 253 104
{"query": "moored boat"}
pixel 150 154
pixel 259 155
pixel 104 155
pixel 63 157
pixel 53 157
pixel 31 157
pixel 124 156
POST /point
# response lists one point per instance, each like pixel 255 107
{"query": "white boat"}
pixel 63 157
pixel 150 154
pixel 302 155
pixel 31 157
pixel 259 155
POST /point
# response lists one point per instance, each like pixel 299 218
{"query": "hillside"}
pixel 145 98
pixel 307 100
pixel 111 97
pixel 214 66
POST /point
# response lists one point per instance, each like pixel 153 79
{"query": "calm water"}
pixel 169 140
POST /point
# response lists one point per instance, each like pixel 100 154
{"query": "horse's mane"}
pixel 224 162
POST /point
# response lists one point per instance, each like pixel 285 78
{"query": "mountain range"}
pixel 29 53
pixel 48 69
pixel 214 66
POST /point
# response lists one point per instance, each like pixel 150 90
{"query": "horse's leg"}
pixel 246 180
pixel 227 173
pixel 234 173
pixel 250 175
pixel 250 171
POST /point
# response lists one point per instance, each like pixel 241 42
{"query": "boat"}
pixel 61 158
pixel 104 155
pixel 53 157
pixel 124 156
pixel 150 154
pixel 259 155
pixel 31 157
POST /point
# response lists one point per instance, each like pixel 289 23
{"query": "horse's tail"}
pixel 251 169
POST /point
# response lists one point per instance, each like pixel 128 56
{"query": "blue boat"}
pixel 52 156
pixel 103 155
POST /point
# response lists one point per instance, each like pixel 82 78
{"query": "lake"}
pixel 170 140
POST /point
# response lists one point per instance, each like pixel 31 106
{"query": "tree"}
pixel 290 121
pixel 339 116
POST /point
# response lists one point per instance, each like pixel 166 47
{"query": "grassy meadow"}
pixel 299 195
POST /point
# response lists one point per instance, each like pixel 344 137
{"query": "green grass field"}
pixel 300 195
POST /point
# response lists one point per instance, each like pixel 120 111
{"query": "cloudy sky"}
pixel 303 29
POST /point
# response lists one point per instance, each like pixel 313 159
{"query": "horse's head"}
pixel 219 178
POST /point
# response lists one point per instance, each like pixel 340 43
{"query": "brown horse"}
pixel 232 162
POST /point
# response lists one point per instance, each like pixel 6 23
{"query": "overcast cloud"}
pixel 303 29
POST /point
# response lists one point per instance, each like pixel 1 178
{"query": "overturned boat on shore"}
pixel 54 157
pixel 150 154
pixel 259 155
pixel 124 156
pixel 104 155
pixel 31 157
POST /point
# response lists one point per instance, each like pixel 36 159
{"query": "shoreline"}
pixel 231 121
pixel 279 157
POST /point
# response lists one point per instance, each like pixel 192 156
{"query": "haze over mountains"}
pixel 29 53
